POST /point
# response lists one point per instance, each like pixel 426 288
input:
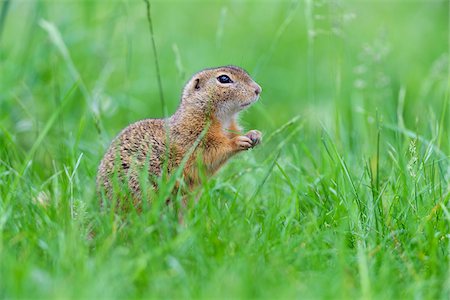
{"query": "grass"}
pixel 347 197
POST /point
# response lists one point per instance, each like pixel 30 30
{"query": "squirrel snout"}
pixel 258 90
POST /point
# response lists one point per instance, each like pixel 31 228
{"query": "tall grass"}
pixel 347 197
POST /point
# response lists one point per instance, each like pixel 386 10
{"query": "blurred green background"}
pixel 312 58
pixel 348 197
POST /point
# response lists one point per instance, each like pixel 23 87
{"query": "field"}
pixel 347 197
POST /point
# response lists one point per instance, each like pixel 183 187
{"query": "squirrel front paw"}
pixel 250 140
pixel 255 136
pixel 242 142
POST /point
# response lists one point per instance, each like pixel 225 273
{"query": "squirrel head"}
pixel 223 91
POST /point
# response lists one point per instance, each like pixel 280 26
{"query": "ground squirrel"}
pixel 211 99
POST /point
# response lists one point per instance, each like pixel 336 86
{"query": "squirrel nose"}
pixel 258 90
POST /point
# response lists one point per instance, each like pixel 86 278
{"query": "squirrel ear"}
pixel 197 84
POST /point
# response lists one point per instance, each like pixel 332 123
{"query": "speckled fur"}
pixel 205 101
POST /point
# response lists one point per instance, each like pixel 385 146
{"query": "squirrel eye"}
pixel 224 79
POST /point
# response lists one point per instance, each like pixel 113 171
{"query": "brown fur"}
pixel 204 102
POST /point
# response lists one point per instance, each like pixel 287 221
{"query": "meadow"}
pixel 347 197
